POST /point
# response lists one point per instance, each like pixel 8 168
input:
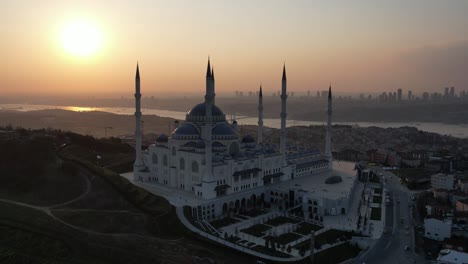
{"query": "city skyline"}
pixel 360 46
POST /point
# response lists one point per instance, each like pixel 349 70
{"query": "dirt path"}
pixel 85 176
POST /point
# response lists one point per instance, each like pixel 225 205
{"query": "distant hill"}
pixel 88 123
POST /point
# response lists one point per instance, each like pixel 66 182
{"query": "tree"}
pixel 289 249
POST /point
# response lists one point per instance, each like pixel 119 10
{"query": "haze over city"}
pixel 358 46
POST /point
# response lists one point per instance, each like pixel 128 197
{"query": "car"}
pixel 407 248
pixel 398 201
pixel 402 220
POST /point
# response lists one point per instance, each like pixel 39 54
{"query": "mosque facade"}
pixel 206 156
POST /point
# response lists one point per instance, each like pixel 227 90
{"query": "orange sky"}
pixel 366 46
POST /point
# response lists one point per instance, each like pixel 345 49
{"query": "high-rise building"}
pixel 452 92
pixel 400 94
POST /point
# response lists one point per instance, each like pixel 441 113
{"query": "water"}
pixel 460 131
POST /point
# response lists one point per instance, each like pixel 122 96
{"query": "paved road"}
pixel 390 248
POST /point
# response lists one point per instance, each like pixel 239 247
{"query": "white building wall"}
pixel 443 181
pixel 437 229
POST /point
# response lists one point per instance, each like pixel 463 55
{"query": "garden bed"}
pixel 281 220
pixel 224 222
pixel 256 230
pixel 307 228
pixel 376 214
pixel 284 239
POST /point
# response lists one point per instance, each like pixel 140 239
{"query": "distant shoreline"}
pixel 456 130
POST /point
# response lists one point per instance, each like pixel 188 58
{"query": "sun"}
pixel 81 38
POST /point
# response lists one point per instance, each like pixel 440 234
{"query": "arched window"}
pixel 155 158
pixel 194 166
pixel 165 160
pixel 173 151
pixel 182 164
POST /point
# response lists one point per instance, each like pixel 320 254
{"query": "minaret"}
pixel 284 97
pixel 208 184
pixel 138 160
pixel 209 121
pixel 213 84
pixel 260 118
pixel 328 147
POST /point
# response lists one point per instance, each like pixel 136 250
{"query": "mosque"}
pixel 206 158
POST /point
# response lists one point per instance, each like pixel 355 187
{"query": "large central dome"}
pixel 200 110
pixel 198 113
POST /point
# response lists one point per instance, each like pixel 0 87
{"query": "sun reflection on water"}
pixel 81 109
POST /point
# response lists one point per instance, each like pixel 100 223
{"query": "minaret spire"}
pixel 208 69
pixel 284 72
pixel 213 84
pixel 138 134
pixel 208 183
pixel 283 115
pixel 260 117
pixel 137 75
pixel 328 143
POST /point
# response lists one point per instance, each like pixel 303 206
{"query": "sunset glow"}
pixel 81 38
pixel 91 47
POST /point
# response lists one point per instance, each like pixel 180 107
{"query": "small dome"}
pixel 200 110
pixel 248 139
pixel 223 129
pixel 234 122
pixel 186 129
pixel 162 138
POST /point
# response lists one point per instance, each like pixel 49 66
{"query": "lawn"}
pixel 304 244
pixel 306 228
pixel 284 238
pixel 107 221
pixel 337 254
pixel 223 222
pixel 255 212
pixel 331 236
pixel 376 214
pixel 281 220
pixel 256 230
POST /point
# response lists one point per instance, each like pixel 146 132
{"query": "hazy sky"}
pixel 357 45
